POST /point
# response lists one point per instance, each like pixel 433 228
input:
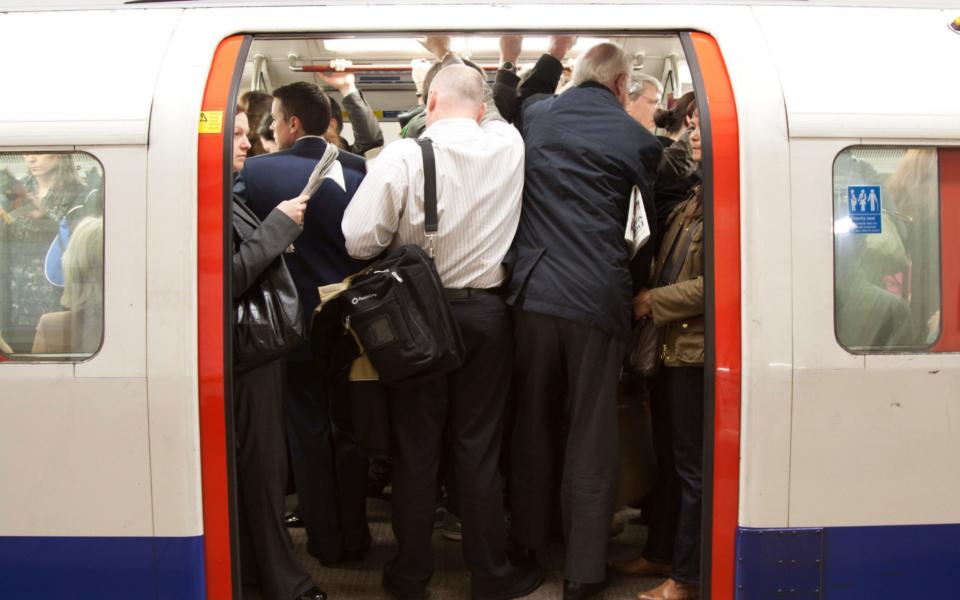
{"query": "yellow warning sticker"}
pixel 211 121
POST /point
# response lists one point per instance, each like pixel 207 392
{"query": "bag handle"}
pixel 430 219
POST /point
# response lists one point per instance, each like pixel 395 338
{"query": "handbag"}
pixel 268 322
pixel 646 345
pixel 398 308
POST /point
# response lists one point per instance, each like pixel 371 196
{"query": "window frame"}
pixel 917 349
pixel 28 358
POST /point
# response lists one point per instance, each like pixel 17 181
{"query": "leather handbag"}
pixel 646 345
pixel 268 322
pixel 398 308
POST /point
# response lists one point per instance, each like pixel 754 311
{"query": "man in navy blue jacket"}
pixel 335 520
pixel 571 292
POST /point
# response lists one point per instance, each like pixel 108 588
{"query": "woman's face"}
pixel 241 143
pixel 42 165
pixel 695 145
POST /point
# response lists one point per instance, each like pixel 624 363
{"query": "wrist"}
pixel 508 65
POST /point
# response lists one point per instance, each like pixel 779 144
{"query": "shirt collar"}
pixel 452 124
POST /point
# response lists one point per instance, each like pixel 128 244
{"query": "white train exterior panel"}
pixel 76 459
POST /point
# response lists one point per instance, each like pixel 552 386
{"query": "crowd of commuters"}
pixel 533 188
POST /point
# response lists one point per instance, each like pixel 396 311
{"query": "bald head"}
pixel 456 92
pixel 606 64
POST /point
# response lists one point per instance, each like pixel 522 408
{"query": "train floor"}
pixel 361 581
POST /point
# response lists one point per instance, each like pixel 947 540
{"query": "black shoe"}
pixel 292 520
pixel 313 593
pixel 402 591
pixel 526 579
pixel 576 590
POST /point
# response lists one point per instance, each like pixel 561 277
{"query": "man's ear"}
pixel 296 127
pixel 483 111
pixel 432 101
pixel 620 88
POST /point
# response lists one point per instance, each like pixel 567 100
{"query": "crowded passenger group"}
pixel 568 242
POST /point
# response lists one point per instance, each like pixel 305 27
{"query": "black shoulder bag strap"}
pixel 430 219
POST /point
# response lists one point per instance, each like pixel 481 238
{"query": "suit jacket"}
pixel 367 134
pixel 320 256
pixel 569 258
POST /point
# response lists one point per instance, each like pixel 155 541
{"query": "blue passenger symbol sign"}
pixel 863 207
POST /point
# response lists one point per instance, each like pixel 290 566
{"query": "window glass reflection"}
pixel 51 256
pixel 887 249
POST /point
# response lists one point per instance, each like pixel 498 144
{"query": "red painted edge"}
pixel 949 250
pixel 726 252
pixel 213 425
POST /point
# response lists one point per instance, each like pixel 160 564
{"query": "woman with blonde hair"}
pixel 914 188
pixel 79 329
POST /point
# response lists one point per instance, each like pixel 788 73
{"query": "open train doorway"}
pixel 382 71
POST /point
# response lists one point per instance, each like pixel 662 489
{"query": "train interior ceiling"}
pixel 382 65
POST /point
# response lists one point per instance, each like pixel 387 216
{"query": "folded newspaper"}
pixel 637 232
pixel 328 168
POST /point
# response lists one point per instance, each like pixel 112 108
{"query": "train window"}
pixel 51 256
pixel 887 249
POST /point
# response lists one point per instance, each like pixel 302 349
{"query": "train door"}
pixel 721 168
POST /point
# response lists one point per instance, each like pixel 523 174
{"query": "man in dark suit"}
pixel 571 292
pixel 332 512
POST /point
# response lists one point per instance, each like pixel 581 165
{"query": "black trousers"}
pixel 679 402
pixel 661 508
pixel 266 552
pixel 468 404
pixel 329 465
pixel 565 442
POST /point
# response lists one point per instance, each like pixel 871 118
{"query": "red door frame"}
pixel 721 166
pixel 949 173
pixel 216 424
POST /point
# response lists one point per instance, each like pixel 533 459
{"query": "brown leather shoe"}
pixel 671 590
pixel 641 567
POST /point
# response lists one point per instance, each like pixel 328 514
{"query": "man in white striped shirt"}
pixel 479 165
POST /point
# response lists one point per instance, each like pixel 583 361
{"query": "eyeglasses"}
pixel 635 90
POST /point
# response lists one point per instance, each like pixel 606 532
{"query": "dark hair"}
pixel 307 102
pixel 673 119
pixel 264 132
pixel 256 105
pixel 435 68
pixel 336 114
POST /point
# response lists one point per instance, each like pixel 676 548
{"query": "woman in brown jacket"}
pixel 676 303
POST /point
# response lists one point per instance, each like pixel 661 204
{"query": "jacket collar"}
pixel 309 141
pixel 593 84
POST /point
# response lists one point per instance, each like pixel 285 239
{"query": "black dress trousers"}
pixel 266 552
pixel 565 445
pixel 468 404
pixel 331 480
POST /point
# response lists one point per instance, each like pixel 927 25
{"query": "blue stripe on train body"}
pixel 107 568
pixel 848 563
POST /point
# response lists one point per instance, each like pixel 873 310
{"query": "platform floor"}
pixel 361 581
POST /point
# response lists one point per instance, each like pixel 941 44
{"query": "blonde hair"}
pixel 914 186
pixel 83 266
